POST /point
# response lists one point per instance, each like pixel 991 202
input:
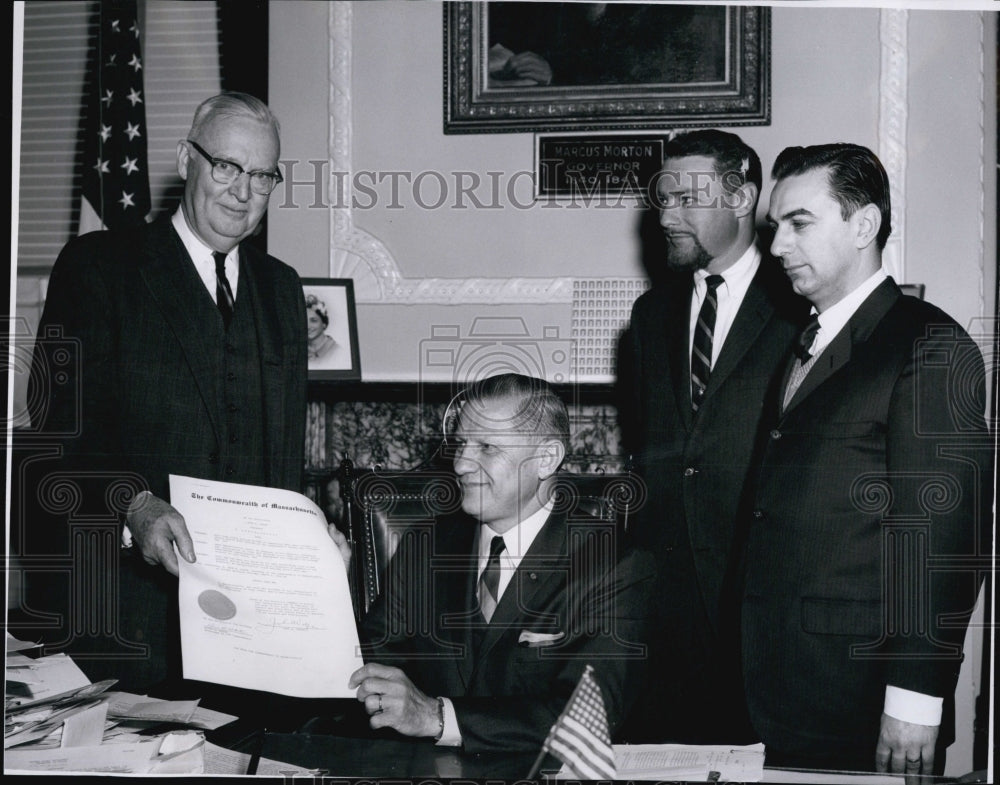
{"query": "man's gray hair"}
pixel 540 413
pixel 232 104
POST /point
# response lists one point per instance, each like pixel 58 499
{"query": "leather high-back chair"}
pixel 382 507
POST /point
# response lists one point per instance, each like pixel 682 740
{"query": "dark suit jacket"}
pixel 573 586
pixel 141 398
pixel 694 468
pixel 870 487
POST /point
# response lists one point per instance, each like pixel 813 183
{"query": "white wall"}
pixel 825 87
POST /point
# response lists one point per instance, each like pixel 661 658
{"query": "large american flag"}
pixel 115 164
pixel 580 737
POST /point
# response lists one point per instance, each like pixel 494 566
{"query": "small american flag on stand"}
pixel 115 173
pixel 580 737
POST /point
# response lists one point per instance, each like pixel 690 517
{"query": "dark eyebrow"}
pixel 790 214
pixel 663 193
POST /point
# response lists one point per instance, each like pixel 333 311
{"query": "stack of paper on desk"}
pixel 689 762
pixel 56 720
pixel 266 605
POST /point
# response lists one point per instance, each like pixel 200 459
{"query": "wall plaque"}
pixel 596 167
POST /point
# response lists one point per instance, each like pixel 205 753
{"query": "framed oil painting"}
pixel 543 67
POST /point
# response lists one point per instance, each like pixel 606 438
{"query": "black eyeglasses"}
pixel 225 172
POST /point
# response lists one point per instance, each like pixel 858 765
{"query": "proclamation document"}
pixel 266 606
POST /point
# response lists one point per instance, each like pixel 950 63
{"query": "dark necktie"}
pixel 701 350
pixel 801 369
pixel 223 292
pixel 489 581
pixel 805 340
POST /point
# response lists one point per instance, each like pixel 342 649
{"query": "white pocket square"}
pixel 533 639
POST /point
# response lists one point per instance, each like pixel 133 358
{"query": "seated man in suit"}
pixel 501 609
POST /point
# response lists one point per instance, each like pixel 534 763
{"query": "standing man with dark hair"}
pixel 873 470
pixel 486 624
pixel 192 361
pixel 704 348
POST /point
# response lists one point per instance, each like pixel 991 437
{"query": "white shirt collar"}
pixel 201 255
pixel 833 319
pixel 730 294
pixel 737 276
pixel 192 243
pixel 517 540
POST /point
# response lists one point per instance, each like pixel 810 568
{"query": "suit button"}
pixel 775 434
pixel 230 471
pixel 230 349
pixel 233 438
pixel 231 377
pixel 233 408
pixel 758 515
pixel 213 458
pixel 690 472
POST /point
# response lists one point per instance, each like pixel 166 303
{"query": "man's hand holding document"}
pixel 266 605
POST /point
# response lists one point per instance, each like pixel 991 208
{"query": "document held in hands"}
pixel 266 605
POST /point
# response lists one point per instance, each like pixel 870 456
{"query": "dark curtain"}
pixel 243 58
pixel 243 46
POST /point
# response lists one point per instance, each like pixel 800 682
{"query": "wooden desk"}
pixel 384 757
pixel 392 758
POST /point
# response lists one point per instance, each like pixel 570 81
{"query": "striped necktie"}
pixel 701 350
pixel 223 292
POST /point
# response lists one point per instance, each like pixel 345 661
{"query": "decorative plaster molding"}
pixel 357 254
pixel 984 102
pixel 353 253
pixel 893 110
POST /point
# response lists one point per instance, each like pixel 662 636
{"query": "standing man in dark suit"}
pixel 859 574
pixel 704 348
pixel 191 360
pixel 501 609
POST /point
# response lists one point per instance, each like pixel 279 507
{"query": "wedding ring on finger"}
pixel 380 710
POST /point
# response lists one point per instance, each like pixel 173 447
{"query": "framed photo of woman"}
pixel 331 328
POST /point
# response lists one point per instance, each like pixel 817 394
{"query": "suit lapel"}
pixel 677 327
pixel 453 597
pixel 535 579
pixel 753 314
pixel 832 359
pixel 254 285
pixel 173 283
pixel 838 353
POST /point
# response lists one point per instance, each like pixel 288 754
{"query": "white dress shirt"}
pixel 202 257
pixel 729 297
pixel 834 318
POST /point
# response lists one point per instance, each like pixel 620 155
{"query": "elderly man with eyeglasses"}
pixel 187 355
